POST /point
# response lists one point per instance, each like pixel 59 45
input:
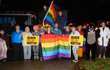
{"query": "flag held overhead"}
pixel 50 16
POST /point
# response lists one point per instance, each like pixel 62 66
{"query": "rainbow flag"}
pixel 54 46
pixel 3 49
pixel 50 16
pixel 64 47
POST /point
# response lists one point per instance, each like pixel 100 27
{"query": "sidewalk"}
pixel 38 65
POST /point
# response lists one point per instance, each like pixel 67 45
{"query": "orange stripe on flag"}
pixel 53 9
pixel 65 39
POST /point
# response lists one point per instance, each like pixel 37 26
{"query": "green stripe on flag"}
pixel 50 15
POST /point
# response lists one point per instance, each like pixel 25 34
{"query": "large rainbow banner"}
pixel 54 46
pixel 3 49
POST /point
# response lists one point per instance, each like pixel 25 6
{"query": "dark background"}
pixel 89 10
pixel 78 10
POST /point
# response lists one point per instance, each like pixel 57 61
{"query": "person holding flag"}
pixel 42 14
pixel 50 16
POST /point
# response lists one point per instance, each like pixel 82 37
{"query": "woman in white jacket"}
pixel 26 48
pixel 75 48
pixel 103 39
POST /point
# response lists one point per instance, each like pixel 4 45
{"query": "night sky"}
pixel 78 10
pixel 89 11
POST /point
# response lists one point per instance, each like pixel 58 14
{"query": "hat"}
pixel 87 24
pixel 35 26
pixel 79 26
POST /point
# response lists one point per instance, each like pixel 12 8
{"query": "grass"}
pixel 99 64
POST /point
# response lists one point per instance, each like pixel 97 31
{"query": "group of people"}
pixel 18 40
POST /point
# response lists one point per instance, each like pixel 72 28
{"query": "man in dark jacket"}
pixel 42 14
pixel 61 20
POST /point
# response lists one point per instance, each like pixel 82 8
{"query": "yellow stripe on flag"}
pixel 50 11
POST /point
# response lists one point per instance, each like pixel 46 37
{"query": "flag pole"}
pixel 47 11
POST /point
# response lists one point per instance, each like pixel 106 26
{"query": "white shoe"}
pixel 75 61
pixel 99 56
pixel 40 58
pixel 104 57
pixel 35 57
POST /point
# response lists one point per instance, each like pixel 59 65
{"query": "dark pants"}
pixel 93 48
pixel 40 50
pixel 18 47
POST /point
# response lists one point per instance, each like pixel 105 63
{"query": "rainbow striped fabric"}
pixel 50 16
pixel 84 42
pixel 54 46
pixel 3 49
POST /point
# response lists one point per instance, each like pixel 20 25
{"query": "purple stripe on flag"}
pixel 48 22
pixel 64 55
pixel 50 57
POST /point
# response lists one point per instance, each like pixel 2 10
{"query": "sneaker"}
pixel 99 56
pixel 40 58
pixel 75 61
pixel 35 57
pixel 104 57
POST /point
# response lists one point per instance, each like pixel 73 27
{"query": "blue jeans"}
pixel 27 52
pixel 36 50
pixel 104 50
